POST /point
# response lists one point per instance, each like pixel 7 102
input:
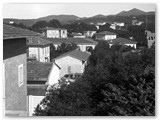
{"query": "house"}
pixel 38 48
pixel 89 33
pixel 55 32
pixel 72 62
pixel 136 22
pixel 150 38
pixel 35 94
pixel 116 24
pixel 77 35
pixel 15 75
pixel 105 35
pixel 42 73
pixel 123 41
pixel 85 44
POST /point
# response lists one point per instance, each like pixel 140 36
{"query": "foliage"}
pixel 62 48
pixel 112 85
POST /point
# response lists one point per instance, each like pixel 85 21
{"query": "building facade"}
pixel 15 76
pixel 105 35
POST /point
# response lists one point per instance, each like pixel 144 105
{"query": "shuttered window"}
pixel 20 75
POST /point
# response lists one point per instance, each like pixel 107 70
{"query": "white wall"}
pixel 109 37
pixel 132 45
pixel 33 102
pixel 53 34
pixel 54 75
pixel 75 65
pixel 40 53
pixel 63 33
pixel 83 47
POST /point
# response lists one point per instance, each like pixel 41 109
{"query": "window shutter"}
pixel 20 75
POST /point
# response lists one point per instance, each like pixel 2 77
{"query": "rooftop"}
pixel 76 54
pixel 37 71
pixel 37 90
pixel 71 40
pixel 35 41
pixel 11 31
pixel 51 28
pixel 122 41
pixel 105 33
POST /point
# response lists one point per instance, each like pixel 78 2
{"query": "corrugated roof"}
pixel 76 54
pixel 37 71
pixel 106 33
pixel 11 31
pixel 122 41
pixel 72 40
pixel 37 41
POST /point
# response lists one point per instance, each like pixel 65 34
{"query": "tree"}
pixel 54 23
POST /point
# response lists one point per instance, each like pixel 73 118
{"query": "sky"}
pixel 30 11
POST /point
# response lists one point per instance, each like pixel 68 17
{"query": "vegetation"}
pixel 111 85
pixel 62 48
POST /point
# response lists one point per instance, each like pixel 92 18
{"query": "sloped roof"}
pixel 34 41
pixel 37 71
pixel 78 41
pixel 121 41
pixel 11 31
pixel 51 28
pixel 75 54
pixel 37 90
pixel 106 33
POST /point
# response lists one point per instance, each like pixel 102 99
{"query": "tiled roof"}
pixel 71 40
pixel 121 40
pixel 37 71
pixel 37 90
pixel 51 28
pixel 34 41
pixel 76 54
pixel 11 31
pixel 106 33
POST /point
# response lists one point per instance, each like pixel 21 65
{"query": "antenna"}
pixel 146 21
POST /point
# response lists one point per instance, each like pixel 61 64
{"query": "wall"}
pixel 65 62
pixel 40 53
pixel 33 102
pixel 109 37
pixel 54 75
pixel 53 34
pixel 63 33
pixel 15 96
pixel 83 47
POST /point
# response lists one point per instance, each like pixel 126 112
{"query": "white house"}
pixel 105 35
pixel 72 62
pixel 85 44
pixel 89 33
pixel 123 41
pixel 150 38
pixel 38 48
pixel 56 32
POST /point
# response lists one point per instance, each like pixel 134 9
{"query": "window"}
pixel 20 75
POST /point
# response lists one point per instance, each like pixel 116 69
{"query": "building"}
pixel 136 22
pixel 42 73
pixel 85 44
pixel 105 35
pixel 77 35
pixel 9 30
pixel 150 38
pixel 55 32
pixel 38 48
pixel 35 93
pixel 123 41
pixel 116 24
pixel 72 62
pixel 89 33
pixel 15 75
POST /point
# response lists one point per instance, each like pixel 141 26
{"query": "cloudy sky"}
pixel 29 11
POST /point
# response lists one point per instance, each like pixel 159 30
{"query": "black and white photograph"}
pixel 79 59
